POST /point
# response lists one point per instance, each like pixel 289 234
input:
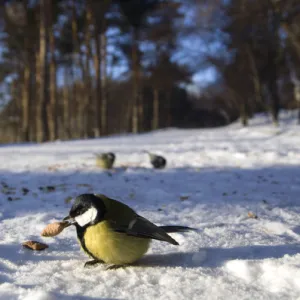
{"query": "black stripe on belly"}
pixel 80 234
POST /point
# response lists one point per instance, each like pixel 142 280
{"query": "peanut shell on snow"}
pixel 34 245
pixel 54 229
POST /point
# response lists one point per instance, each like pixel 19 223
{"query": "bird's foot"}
pixel 92 263
pixel 115 267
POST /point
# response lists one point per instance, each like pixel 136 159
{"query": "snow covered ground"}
pixel 213 179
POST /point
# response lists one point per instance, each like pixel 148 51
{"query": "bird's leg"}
pixel 115 267
pixel 93 262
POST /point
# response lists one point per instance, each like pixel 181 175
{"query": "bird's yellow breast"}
pixel 103 163
pixel 113 247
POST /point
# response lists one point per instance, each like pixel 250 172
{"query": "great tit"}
pixel 105 160
pixel 111 232
pixel 157 161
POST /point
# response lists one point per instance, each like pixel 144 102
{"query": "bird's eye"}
pixel 79 210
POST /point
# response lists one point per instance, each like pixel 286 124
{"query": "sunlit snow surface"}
pixel 213 179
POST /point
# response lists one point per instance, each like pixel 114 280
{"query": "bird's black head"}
pixel 87 209
pixel 158 162
pixel 111 156
pixel 108 156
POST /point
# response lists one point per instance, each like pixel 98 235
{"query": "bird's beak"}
pixel 66 218
pixel 69 219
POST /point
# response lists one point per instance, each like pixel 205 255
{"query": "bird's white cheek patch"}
pixel 87 217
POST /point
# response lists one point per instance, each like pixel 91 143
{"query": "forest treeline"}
pixel 89 68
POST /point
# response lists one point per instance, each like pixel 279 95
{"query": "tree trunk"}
pixel 136 80
pixel 255 76
pixel 15 95
pixel 155 117
pixel 243 107
pixel 141 112
pixel 25 103
pixel 76 111
pixel 273 90
pixel 97 96
pixel 75 55
pixel 169 108
pixel 66 108
pixel 52 105
pixel 128 112
pixel 293 37
pixel 80 88
pixel 243 113
pixel 273 59
pixel 104 94
pixel 41 120
pixel 33 98
pixel 84 108
pixel 26 70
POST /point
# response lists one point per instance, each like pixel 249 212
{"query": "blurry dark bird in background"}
pixel 157 161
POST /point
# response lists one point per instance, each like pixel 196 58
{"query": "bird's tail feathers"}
pixel 174 228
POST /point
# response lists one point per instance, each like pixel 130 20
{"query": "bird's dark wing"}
pixel 141 227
